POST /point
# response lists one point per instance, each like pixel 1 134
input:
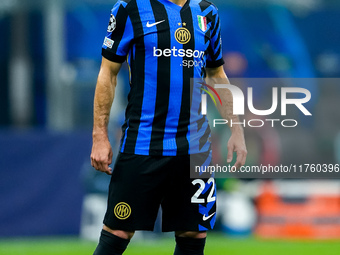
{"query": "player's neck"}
pixel 179 2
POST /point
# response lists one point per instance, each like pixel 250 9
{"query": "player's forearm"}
pixel 226 109
pixel 104 95
pixel 215 76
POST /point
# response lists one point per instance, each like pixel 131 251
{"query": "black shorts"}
pixel 141 184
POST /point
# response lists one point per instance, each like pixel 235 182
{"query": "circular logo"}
pixel 112 24
pixel 182 35
pixel 122 211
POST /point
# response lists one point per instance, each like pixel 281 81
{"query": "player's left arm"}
pixel 236 142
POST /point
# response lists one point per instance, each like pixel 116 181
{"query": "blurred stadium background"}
pixel 52 202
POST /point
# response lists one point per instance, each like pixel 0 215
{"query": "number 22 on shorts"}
pixel 195 198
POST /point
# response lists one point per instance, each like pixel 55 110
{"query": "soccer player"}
pixel 166 43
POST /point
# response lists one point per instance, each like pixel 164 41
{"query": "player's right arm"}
pixel 114 51
pixel 101 155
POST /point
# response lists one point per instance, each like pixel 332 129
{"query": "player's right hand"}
pixel 101 156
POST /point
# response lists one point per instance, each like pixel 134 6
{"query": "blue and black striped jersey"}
pixel 165 46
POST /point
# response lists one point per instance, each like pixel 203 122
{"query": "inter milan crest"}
pixel 122 211
pixel 182 34
pixel 202 22
pixel 112 24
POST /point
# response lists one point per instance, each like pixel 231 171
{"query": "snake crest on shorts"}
pixel 122 211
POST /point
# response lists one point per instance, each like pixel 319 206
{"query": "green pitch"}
pixel 216 245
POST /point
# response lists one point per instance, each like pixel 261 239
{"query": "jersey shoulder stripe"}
pixel 204 4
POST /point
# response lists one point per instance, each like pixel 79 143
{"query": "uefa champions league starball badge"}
pixel 112 24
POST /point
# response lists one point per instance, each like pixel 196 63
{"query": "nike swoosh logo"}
pixel 154 24
pixel 205 218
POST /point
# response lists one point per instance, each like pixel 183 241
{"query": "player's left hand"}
pixel 237 143
pixel 101 155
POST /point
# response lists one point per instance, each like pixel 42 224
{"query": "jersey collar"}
pixel 173 5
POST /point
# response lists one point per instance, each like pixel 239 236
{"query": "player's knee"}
pixel 191 234
pixel 120 233
pixel 110 244
pixel 190 243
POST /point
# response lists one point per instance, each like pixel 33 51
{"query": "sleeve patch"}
pixel 112 24
pixel 108 42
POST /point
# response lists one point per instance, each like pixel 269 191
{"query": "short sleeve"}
pixel 119 34
pixel 215 57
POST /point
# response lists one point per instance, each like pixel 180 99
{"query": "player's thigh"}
pixel 190 202
pixel 135 192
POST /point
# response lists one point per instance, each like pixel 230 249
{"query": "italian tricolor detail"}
pixel 202 22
